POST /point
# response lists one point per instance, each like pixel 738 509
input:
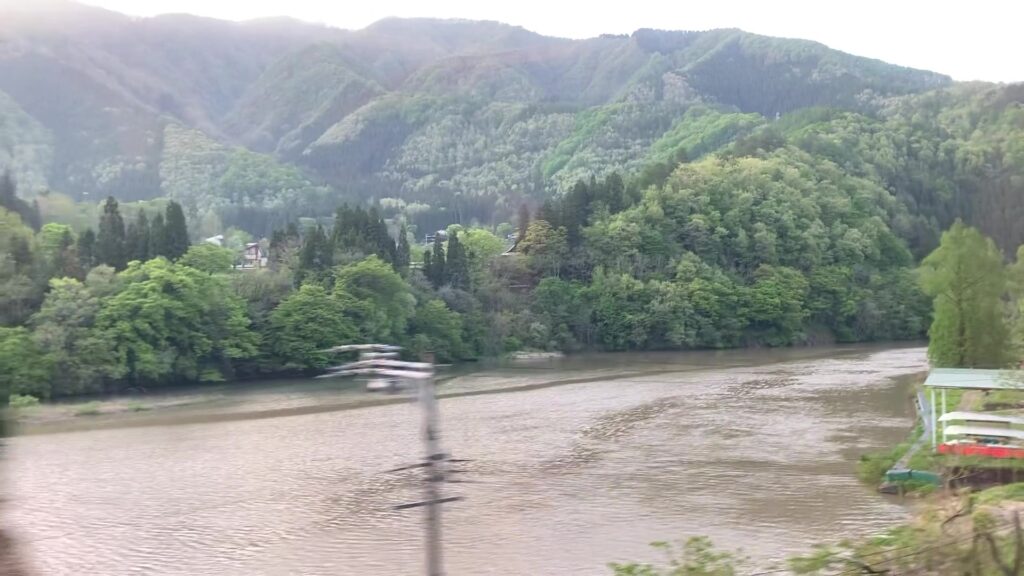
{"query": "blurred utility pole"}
pixel 381 360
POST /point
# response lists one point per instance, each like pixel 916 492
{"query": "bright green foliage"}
pixel 110 247
pixel 384 300
pixel 701 307
pixel 208 258
pixel 622 310
pixel 561 310
pixel 307 322
pixel 1015 289
pixel 545 246
pixel 17 401
pixel 481 246
pixel 23 367
pixel 437 329
pixel 700 131
pixel 964 276
pixel 55 252
pixel 696 557
pixel 175 321
pixel 19 292
pixel 64 328
pixel 776 304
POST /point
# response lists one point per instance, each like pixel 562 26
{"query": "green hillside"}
pixel 468 120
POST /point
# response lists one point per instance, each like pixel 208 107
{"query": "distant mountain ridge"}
pixel 463 117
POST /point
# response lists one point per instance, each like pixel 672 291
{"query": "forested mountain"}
pixel 670 190
pixel 461 120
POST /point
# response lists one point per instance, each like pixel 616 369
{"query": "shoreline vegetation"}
pixel 222 402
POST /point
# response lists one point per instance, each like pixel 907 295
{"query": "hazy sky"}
pixel 969 40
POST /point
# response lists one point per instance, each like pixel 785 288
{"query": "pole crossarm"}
pixel 364 347
pixel 428 502
pixel 381 371
pixel 386 363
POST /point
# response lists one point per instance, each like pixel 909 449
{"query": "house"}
pixel 253 258
pixel 217 240
pixel 440 234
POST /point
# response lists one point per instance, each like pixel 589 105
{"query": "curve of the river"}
pixel 755 449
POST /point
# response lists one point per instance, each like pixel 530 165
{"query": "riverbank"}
pixel 270 398
pixel 951 532
pixel 914 467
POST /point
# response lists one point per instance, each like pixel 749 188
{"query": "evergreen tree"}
pixel 614 193
pixel 402 251
pixel 137 241
pixel 428 265
pixel 524 221
pixel 316 256
pixel 9 200
pixel 964 276
pixel 458 264
pixel 21 253
pixel 87 250
pixel 385 243
pixel 157 237
pixel 110 246
pixel 67 264
pixel 439 271
pixel 175 232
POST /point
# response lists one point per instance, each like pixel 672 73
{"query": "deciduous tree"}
pixel 964 277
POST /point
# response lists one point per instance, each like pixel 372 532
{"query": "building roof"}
pixel 981 417
pixel 985 432
pixel 975 379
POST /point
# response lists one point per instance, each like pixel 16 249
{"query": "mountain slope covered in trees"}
pixel 465 120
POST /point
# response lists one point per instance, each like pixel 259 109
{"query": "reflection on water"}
pixel 752 452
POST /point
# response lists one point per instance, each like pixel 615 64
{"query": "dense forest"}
pixel 663 190
pixel 438 121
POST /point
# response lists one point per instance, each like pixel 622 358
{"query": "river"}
pixel 756 449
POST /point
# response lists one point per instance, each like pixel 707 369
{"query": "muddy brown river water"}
pixel 756 449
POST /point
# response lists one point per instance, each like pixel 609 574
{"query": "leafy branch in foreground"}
pixel 696 556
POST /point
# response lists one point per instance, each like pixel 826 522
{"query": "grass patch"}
pixel 1008 492
pixel 926 459
pixel 1002 400
pixel 871 468
pixel 88 409
pixel 138 407
pixel 22 401
pixel 953 398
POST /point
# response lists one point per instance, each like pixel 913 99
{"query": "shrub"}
pixel 22 401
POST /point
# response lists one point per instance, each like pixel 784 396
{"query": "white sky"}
pixel 967 39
